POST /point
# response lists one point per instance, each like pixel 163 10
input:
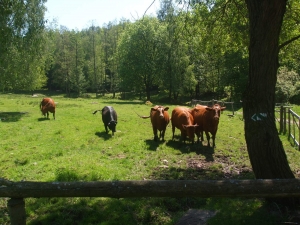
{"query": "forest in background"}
pixel 192 49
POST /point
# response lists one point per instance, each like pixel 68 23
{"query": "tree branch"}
pixel 288 42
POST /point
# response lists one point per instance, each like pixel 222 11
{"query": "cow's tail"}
pixel 96 111
pixel 143 117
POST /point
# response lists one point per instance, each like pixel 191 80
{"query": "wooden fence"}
pixel 289 122
pixel 17 191
pixel 194 102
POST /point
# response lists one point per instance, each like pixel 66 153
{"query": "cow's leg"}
pixel 106 128
pixel 155 133
pixel 163 134
pixel 54 115
pixel 173 131
pixel 47 115
pixel 197 132
pixel 214 138
pixel 207 137
pixel 183 136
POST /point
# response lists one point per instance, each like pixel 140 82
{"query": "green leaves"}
pixel 22 44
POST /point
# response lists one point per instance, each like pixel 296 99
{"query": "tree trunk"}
pixel 265 149
pixel 266 153
pixel 148 94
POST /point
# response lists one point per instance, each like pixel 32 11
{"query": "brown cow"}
pixel 47 105
pixel 208 119
pixel 159 119
pixel 184 121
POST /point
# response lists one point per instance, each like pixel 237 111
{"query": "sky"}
pixel 80 14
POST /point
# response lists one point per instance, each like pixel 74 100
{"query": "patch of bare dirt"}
pixel 196 217
pixel 220 168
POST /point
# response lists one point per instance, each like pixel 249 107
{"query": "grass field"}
pixel 75 147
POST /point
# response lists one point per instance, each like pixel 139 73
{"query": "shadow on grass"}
pixel 153 145
pixel 123 103
pixel 187 147
pixel 104 135
pixel 65 211
pixel 11 116
pixel 43 119
pixel 130 211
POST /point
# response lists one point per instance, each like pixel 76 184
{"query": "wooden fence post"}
pixel 16 209
pixel 298 133
pixel 284 120
pixel 281 119
pixel 289 119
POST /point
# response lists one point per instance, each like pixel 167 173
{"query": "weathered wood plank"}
pixel 153 188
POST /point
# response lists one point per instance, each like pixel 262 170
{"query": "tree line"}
pixel 192 51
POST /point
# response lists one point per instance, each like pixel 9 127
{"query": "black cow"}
pixel 109 118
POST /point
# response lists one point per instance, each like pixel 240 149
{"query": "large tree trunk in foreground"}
pixel 265 149
pixel 266 153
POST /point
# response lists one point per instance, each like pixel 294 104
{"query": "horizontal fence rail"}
pixel 289 121
pixel 153 188
pixel 194 102
pixel 294 126
pixel 17 191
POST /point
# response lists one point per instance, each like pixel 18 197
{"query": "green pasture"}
pixel 75 147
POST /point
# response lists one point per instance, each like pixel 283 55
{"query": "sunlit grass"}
pixel 75 147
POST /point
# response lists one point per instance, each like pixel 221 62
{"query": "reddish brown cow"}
pixel 47 105
pixel 184 121
pixel 208 120
pixel 159 119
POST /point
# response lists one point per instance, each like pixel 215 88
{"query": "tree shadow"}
pixel 103 135
pixel 124 102
pixel 11 116
pixel 147 210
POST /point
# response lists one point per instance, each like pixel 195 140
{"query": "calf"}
pixel 47 105
pixel 109 118
pixel 208 119
pixel 159 119
pixel 184 121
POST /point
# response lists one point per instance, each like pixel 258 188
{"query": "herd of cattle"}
pixel 189 121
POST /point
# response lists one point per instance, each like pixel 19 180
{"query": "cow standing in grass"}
pixel 184 121
pixel 208 119
pixel 109 118
pixel 47 105
pixel 159 119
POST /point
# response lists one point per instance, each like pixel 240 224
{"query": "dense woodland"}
pixel 231 49
pixel 191 50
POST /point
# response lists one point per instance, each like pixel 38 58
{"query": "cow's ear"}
pixel 166 109
pixel 222 108
pixel 209 108
pixel 153 108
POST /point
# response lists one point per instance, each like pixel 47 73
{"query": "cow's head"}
pixel 160 110
pixel 112 126
pixel 190 131
pixel 43 111
pixel 216 109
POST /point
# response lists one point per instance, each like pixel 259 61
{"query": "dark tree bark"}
pixel 266 152
pixel 265 149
